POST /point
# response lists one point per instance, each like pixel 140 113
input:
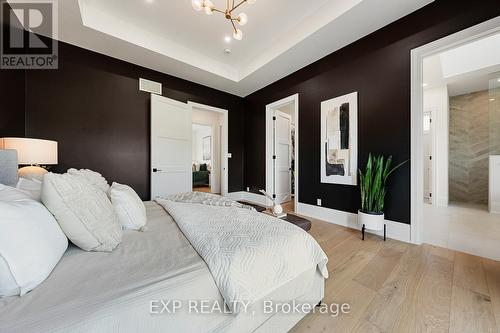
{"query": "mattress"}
pixel 125 290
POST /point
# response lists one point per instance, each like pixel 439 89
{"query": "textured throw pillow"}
pixel 31 242
pixel 128 206
pixel 32 187
pixel 85 214
pixel 95 178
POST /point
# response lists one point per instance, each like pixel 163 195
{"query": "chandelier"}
pixel 209 8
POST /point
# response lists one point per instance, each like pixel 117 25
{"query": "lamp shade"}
pixel 32 151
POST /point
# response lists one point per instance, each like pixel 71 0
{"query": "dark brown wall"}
pixel 378 67
pixel 11 101
pixel 93 107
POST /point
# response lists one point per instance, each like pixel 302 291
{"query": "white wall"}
pixel 289 109
pixel 436 100
pixel 206 117
pixel 214 120
pixel 199 132
pixel 471 57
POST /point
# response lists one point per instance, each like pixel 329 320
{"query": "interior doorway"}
pixel 456 141
pixel 172 155
pixel 282 150
pixel 209 149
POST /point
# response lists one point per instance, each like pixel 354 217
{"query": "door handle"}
pixel 156 170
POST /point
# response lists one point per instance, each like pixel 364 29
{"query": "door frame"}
pixel 269 145
pixel 224 142
pixel 466 36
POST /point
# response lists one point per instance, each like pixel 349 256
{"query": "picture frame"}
pixel 339 140
pixel 207 148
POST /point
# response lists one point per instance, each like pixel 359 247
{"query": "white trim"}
pixel 269 149
pixel 225 140
pixel 395 230
pixel 417 164
pixel 493 190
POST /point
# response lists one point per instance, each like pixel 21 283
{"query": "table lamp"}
pixel 32 152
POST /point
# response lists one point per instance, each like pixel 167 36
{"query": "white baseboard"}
pixel 395 230
pixel 494 207
pixel 442 201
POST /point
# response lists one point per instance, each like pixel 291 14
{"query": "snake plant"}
pixel 373 183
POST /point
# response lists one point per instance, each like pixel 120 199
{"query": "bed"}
pixel 123 291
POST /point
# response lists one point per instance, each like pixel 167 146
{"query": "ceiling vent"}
pixel 150 86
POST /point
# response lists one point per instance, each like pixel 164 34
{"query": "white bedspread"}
pixel 249 254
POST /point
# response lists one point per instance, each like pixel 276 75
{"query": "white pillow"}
pixel 128 206
pixel 33 187
pixel 84 213
pixel 31 242
pixel 95 178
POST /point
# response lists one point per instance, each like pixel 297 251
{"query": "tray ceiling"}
pixel 280 37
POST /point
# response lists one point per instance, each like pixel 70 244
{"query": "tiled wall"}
pixel 474 135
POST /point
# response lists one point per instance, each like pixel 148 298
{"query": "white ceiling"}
pixel 465 69
pixel 281 36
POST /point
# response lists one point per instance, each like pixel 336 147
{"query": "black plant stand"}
pixel 363 232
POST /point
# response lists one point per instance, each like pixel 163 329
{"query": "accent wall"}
pixel 378 68
pixel 93 107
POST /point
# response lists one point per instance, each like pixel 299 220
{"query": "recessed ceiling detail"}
pixel 170 37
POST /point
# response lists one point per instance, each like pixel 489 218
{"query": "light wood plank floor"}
pixel 399 287
pixel 205 189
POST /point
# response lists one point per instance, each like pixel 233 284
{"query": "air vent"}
pixel 150 86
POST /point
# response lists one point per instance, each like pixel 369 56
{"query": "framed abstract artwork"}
pixel 339 140
pixel 207 148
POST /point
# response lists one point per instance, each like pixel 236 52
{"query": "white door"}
pixel 171 136
pixel 428 157
pixel 282 156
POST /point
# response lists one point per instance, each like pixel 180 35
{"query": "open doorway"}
pixel 282 151
pixel 203 159
pixel 456 142
pixel 209 149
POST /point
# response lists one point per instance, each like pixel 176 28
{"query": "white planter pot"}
pixel 372 221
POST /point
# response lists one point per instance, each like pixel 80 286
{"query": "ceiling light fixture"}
pixel 209 9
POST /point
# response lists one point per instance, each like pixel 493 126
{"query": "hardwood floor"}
pixel 399 287
pixel 205 189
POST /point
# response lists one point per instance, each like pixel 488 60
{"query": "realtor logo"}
pixel 29 34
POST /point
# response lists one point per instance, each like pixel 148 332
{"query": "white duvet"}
pixel 249 254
